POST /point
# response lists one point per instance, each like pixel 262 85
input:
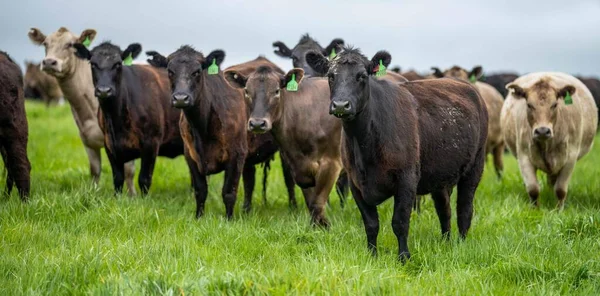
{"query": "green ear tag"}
pixel 128 60
pixel 382 70
pixel 87 41
pixel 472 78
pixel 292 85
pixel 213 69
pixel 332 54
pixel 568 99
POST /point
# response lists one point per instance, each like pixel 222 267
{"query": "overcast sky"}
pixel 516 35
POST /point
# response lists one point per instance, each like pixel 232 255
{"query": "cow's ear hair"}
pixel 383 56
pixel 317 62
pixel 437 72
pixel 396 69
pixel 157 59
pixel 82 52
pixel 336 44
pixel 517 91
pixel 36 36
pixel 477 72
pixel 133 49
pixel 562 93
pixel 283 50
pixel 297 73
pixel 217 55
pixel 235 79
pixel 87 34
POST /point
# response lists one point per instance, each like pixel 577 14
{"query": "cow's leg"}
pixel 118 171
pixel 498 160
pixel 531 183
pixel 249 175
pixel 562 183
pixel 231 182
pixel 370 218
pixel 95 159
pixel 403 203
pixel 342 187
pixel 148 155
pixel 289 183
pixel 200 185
pixel 129 174
pixel 441 200
pixel 466 188
pixel 325 180
pixel 18 167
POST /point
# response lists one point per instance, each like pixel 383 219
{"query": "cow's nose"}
pixel 181 100
pixel 257 124
pixel 181 97
pixel 103 91
pixel 49 62
pixel 339 107
pixel 542 132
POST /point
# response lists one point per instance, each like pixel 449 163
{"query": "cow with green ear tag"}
pixel 493 102
pixel 135 115
pixel 549 122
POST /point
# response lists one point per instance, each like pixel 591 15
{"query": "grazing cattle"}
pixel 549 122
pixel 499 81
pixel 410 75
pixel 593 85
pixel 75 79
pixel 306 44
pixel 404 139
pixel 135 113
pixel 493 102
pixel 42 84
pixel 13 127
pixel 297 117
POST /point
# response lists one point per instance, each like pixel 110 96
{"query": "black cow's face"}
pixel 106 61
pixel 305 45
pixel 186 68
pixel 349 76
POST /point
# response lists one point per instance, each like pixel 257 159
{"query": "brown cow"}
pixel 13 127
pixel 135 115
pixel 493 102
pixel 309 138
pixel 593 84
pixel 404 139
pixel 410 75
pixel 306 44
pixel 549 122
pixel 43 84
pixel 75 79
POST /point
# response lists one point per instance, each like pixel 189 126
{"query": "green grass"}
pixel 72 238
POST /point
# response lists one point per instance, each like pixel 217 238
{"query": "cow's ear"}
pixel 82 52
pixel 297 74
pixel 156 59
pixel 566 91
pixel 132 50
pixel 317 62
pixel 282 51
pixel 437 72
pixel 36 36
pixel 517 91
pixel 235 79
pixel 382 57
pixel 336 44
pixel 217 55
pixel 476 73
pixel 89 35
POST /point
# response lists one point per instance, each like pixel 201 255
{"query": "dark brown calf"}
pixel 308 137
pixel 13 127
pixel 404 139
pixel 593 84
pixel 135 113
pixel 499 81
pixel 43 84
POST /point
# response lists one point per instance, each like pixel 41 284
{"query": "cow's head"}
pixel 60 54
pixel 306 44
pixel 349 74
pixel 459 73
pixel 264 91
pixel 187 68
pixel 106 61
pixel 543 101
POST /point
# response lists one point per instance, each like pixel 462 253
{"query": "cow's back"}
pixel 493 103
pixel 11 91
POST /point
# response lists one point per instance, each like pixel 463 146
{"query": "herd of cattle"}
pixel 337 119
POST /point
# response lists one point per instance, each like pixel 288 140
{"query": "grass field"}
pixel 73 238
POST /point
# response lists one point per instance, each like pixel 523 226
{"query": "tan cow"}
pixel 493 102
pixel 46 85
pixel 75 79
pixel 549 122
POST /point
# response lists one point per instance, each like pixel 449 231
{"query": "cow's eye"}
pixel 94 66
pixel 116 66
pixel 171 73
pixel 361 76
pixel 554 106
pixel 331 77
pixel 68 45
pixel 277 92
pixel 196 73
pixel 530 107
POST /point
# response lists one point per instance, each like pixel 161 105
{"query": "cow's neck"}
pixel 78 89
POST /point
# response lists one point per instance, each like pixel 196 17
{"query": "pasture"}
pixel 74 238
